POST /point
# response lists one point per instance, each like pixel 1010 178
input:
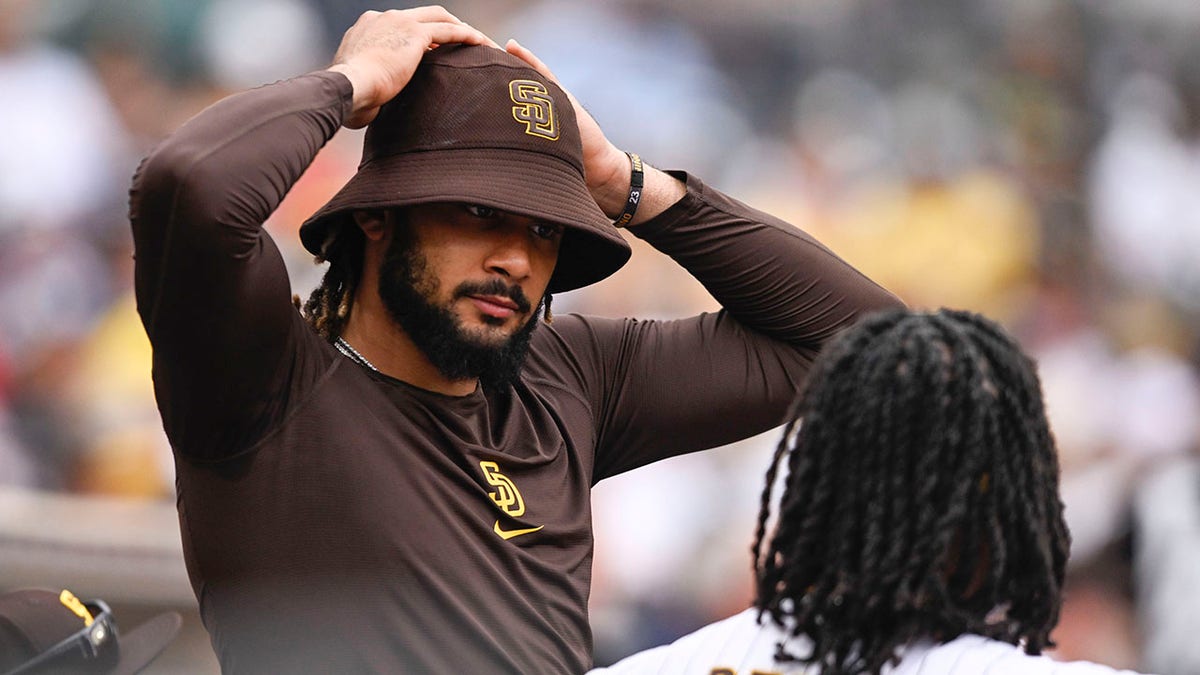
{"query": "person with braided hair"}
pixel 920 530
pixel 397 479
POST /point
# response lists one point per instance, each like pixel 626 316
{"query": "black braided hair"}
pixel 921 498
pixel 328 306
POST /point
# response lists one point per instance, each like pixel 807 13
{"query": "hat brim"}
pixel 516 181
pixel 143 644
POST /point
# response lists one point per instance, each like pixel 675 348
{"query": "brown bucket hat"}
pixel 478 125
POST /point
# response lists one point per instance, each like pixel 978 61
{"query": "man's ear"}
pixel 373 223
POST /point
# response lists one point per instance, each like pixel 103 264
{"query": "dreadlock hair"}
pixel 328 306
pixel 921 499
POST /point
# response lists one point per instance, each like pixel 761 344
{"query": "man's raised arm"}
pixel 663 388
pixel 211 286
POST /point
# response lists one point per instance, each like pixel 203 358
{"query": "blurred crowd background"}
pixel 1034 160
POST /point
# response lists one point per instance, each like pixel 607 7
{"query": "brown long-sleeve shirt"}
pixel 338 520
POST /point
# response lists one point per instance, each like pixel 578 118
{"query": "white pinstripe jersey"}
pixel 740 646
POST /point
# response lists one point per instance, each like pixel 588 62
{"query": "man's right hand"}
pixel 380 52
pixel 606 168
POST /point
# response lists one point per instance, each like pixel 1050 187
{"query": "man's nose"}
pixel 510 253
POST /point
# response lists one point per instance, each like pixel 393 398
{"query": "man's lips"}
pixel 494 305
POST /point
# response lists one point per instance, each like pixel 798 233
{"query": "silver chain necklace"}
pixel 345 348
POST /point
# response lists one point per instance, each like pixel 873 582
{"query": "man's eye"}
pixel 481 211
pixel 546 230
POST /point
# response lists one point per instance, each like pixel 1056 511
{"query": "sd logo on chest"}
pixel 507 498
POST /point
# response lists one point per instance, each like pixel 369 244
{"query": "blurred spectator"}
pixel 251 42
pixel 123 450
pixel 1166 559
pixel 1143 191
pixel 63 167
pixel 61 177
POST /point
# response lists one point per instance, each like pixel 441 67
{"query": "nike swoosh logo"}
pixel 509 534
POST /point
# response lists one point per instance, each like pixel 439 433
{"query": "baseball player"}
pixel 398 478
pixel 920 530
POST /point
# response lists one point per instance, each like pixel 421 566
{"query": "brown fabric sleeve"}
pixel 211 286
pixel 673 387
pixel 771 276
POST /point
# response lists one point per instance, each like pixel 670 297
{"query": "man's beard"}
pixel 408 293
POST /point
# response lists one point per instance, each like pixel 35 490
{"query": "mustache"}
pixel 495 287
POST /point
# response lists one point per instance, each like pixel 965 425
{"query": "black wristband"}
pixel 637 178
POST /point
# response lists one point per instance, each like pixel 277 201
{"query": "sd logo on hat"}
pixel 44 631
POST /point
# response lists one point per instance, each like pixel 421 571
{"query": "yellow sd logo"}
pixel 506 496
pixel 534 108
